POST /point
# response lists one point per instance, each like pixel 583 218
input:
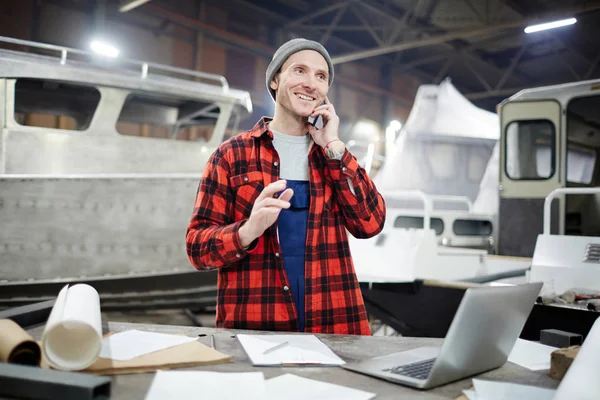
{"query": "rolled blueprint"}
pixel 16 345
pixel 72 339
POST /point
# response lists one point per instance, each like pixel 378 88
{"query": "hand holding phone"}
pixel 323 124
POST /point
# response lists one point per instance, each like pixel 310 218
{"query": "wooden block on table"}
pixel 561 360
pixel 463 396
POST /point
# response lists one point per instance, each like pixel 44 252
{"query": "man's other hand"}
pixel 265 211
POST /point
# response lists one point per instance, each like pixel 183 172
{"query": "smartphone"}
pixel 316 120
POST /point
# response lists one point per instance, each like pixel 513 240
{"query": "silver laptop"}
pixel 482 334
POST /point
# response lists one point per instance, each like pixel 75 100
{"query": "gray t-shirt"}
pixel 293 155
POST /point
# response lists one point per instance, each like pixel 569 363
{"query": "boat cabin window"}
pixel 442 160
pixel 582 212
pixel 51 104
pixel 530 150
pixel 442 165
pixel 472 227
pixel 583 138
pixel 161 116
pixel 580 165
pixel 410 222
pixel 477 160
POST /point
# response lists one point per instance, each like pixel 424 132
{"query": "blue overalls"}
pixel 292 225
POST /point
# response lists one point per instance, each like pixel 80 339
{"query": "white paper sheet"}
pixel 72 337
pixel 489 390
pixel 471 395
pixel 582 381
pixel 182 385
pixel 130 344
pixel 293 387
pixel 531 355
pixel 302 349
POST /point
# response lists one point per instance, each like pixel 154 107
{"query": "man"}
pixel 273 207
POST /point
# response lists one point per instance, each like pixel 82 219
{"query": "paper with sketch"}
pixel 293 387
pixel 531 355
pixel 489 390
pixel 73 334
pixel 131 344
pixel 301 349
pixel 182 385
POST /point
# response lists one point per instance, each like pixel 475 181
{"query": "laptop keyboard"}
pixel 418 370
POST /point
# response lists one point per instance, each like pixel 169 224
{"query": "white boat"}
pixel 100 162
pixel 440 191
pixel 548 197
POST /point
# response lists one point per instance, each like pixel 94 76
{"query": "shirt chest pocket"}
pixel 246 188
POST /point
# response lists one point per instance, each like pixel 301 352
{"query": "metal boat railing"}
pixel 144 66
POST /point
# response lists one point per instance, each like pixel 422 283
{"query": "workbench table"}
pixel 349 348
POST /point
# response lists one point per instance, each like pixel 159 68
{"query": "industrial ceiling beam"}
pixel 333 24
pixel 474 10
pixel 461 34
pixel 228 37
pixel 271 15
pixel 285 23
pixel 493 93
pixel 400 20
pixel 319 12
pixel 300 5
pixel 442 72
pixel 407 19
pixel 512 66
pixel 559 41
pixel 131 4
pixel 423 61
pixel 561 45
pixel 367 25
pixel 347 28
pixel 412 16
pixel 478 76
pixel 468 58
pixel 592 68
pixel 438 39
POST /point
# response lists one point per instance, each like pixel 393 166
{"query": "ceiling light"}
pixel 396 125
pixel 550 25
pixel 130 5
pixel 104 49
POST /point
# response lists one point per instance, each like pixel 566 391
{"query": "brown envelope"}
pixel 184 355
pixel 16 345
pixel 189 354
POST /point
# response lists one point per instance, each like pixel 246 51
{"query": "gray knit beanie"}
pixel 289 48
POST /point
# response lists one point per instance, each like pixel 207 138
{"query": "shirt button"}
pixel 276 254
pixel 275 163
pixel 344 169
pixel 245 179
pixel 285 288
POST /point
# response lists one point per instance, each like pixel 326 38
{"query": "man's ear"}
pixel 274 83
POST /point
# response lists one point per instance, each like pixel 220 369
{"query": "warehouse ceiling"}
pixel 479 44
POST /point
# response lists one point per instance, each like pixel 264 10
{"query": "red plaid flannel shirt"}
pixel 253 290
